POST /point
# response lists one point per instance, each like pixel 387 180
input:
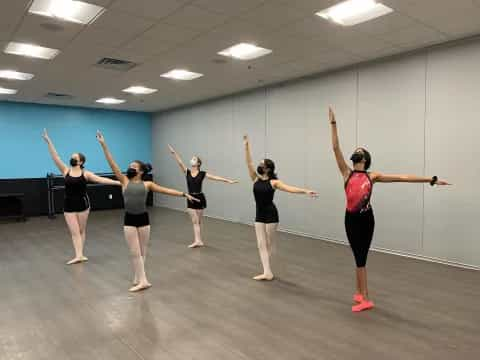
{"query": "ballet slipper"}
pixel 195 245
pixel 263 277
pixel 77 260
pixel 140 287
pixel 364 305
pixel 358 298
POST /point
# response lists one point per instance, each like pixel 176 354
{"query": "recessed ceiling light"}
pixel 110 101
pixel 352 12
pixel 30 50
pixel 179 74
pixel 69 10
pixel 140 90
pixel 245 51
pixel 4 91
pixel 15 75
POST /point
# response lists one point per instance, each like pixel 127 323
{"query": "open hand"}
pixel 312 194
pixel 191 198
pixel 245 140
pixel 233 182
pixel 171 149
pixel 45 136
pixel 442 183
pixel 100 137
pixel 331 116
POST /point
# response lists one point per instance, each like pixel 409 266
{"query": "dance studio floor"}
pixel 204 305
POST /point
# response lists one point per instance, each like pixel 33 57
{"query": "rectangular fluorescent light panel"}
pixel 4 91
pixel 15 75
pixel 35 51
pixel 139 90
pixel 68 10
pixel 353 12
pixel 110 101
pixel 179 74
pixel 245 51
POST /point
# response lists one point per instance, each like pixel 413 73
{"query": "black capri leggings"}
pixel 359 227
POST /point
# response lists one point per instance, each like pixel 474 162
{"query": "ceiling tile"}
pixel 229 7
pixel 416 36
pixel 196 18
pixel 123 22
pixel 156 9
pixel 110 38
pixel 273 14
pixel 170 33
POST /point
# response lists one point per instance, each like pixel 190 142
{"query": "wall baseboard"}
pixel 341 242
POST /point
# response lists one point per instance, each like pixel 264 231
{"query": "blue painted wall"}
pixel 24 154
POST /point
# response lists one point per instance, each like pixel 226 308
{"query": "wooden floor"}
pixel 204 305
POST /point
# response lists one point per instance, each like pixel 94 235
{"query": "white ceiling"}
pixel 165 34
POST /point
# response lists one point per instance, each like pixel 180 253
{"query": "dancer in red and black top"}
pixel 359 219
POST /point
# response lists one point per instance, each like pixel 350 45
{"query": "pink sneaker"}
pixel 364 305
pixel 358 298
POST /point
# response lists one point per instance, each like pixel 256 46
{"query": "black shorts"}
pixel 267 214
pixel 197 205
pixel 359 227
pixel 76 204
pixel 136 220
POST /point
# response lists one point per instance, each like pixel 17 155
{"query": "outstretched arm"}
pixel 277 184
pixel 167 191
pixel 341 163
pixel 390 178
pixel 91 177
pixel 218 178
pixel 53 153
pixel 177 157
pixel 248 158
pixel 108 155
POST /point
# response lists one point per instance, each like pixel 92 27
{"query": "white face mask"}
pixel 194 162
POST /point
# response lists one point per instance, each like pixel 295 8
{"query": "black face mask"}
pixel 73 162
pixel 261 170
pixel 356 157
pixel 131 173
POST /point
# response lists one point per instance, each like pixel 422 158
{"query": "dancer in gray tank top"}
pixel 136 222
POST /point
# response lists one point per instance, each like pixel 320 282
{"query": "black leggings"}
pixel 359 227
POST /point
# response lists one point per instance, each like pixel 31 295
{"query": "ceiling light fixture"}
pixel 140 90
pixel 110 101
pixel 69 10
pixel 245 51
pixel 30 50
pixel 5 91
pixel 15 75
pixel 353 12
pixel 180 74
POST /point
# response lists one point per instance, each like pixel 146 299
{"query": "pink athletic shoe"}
pixel 364 305
pixel 358 298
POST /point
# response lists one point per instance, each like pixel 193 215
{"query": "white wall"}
pixel 416 114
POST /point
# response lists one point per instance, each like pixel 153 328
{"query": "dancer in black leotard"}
pixel 76 205
pixel 359 219
pixel 265 182
pixel 136 224
pixel 195 179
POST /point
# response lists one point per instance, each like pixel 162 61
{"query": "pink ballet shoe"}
pixel 358 298
pixel 364 305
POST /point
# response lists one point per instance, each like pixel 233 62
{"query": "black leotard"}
pixel 76 198
pixel 266 210
pixel 194 185
pixel 359 219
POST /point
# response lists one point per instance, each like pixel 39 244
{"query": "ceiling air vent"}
pixel 58 96
pixel 115 64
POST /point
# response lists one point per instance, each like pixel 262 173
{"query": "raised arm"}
pixel 91 177
pixel 167 191
pixel 113 165
pixel 341 163
pixel 248 158
pixel 390 178
pixel 277 184
pixel 178 159
pixel 53 153
pixel 218 178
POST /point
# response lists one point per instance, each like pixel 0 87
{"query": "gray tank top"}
pixel 135 198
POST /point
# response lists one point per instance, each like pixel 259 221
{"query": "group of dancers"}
pixel 357 180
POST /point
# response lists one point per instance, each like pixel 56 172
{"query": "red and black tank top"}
pixel 358 190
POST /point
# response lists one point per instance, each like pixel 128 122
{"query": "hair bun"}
pixel 148 168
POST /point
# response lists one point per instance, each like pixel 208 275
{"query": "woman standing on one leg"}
pixel 195 179
pixel 76 204
pixel 359 219
pixel 265 182
pixel 136 221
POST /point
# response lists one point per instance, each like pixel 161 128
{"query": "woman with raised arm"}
pixel 265 182
pixel 359 219
pixel 136 221
pixel 195 178
pixel 76 204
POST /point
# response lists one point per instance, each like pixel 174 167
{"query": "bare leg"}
pixel 144 238
pixel 362 282
pixel 262 243
pixel 74 228
pixel 196 216
pixel 133 242
pixel 82 222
